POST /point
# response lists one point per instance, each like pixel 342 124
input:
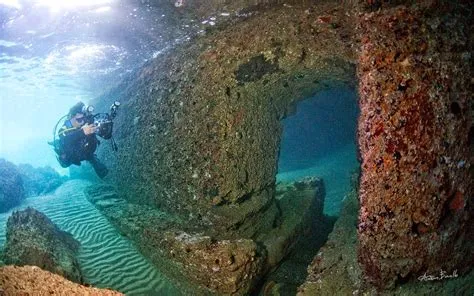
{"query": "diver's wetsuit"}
pixel 75 147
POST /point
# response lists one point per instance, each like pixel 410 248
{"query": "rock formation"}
pixel 203 126
pixel 192 126
pixel 19 182
pixel 335 269
pixel 39 181
pixel 199 263
pixel 11 186
pixel 415 140
pixel 32 280
pixel 32 239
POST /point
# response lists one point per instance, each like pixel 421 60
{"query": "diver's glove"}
pixel 89 129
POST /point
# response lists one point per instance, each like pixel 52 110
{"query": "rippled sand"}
pixel 107 259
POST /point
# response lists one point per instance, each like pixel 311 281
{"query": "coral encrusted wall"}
pixel 415 138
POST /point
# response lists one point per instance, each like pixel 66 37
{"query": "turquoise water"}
pixel 319 140
pixel 107 259
pixel 336 171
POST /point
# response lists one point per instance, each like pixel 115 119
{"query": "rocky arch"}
pixel 202 125
pixel 207 135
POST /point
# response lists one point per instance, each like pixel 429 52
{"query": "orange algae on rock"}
pixel 415 115
pixel 457 203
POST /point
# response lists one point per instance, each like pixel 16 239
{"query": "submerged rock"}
pixel 417 111
pixel 205 152
pixel 39 181
pixel 223 267
pixel 195 262
pixel 199 262
pixel 335 269
pixel 32 280
pixel 206 147
pixel 32 239
pixel 12 191
pixel 300 204
pixel 302 231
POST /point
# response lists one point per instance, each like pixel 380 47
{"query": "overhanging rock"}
pixel 200 128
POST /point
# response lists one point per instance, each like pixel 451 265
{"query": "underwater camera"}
pixel 103 121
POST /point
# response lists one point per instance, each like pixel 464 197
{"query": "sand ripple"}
pixel 107 259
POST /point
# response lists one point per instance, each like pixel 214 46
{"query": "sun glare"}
pixel 11 3
pixel 57 5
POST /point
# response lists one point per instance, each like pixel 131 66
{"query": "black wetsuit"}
pixel 76 146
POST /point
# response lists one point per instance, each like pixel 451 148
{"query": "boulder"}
pixel 197 263
pixel 200 262
pixel 32 239
pixel 39 181
pixel 12 191
pixel 32 280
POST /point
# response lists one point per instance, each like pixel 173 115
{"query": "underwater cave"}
pixel 320 140
pixel 237 171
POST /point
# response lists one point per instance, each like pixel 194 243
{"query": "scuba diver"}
pixel 77 136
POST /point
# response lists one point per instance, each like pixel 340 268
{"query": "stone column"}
pixel 416 142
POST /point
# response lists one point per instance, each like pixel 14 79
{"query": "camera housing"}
pixel 102 120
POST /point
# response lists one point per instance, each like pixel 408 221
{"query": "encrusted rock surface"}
pixel 305 230
pixel 32 280
pixel 39 181
pixel 415 139
pixel 203 122
pixel 202 264
pixel 197 263
pixel 11 186
pixel 300 203
pixel 335 270
pixel 203 126
pixel 32 239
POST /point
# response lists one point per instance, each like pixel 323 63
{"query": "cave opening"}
pixel 320 140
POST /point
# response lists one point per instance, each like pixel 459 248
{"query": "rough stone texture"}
pixel 415 138
pixel 38 181
pixel 299 202
pixel 195 262
pixel 203 126
pixel 224 267
pixel 191 117
pixel 32 280
pixel 11 186
pixel 335 270
pixel 199 262
pixel 32 239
